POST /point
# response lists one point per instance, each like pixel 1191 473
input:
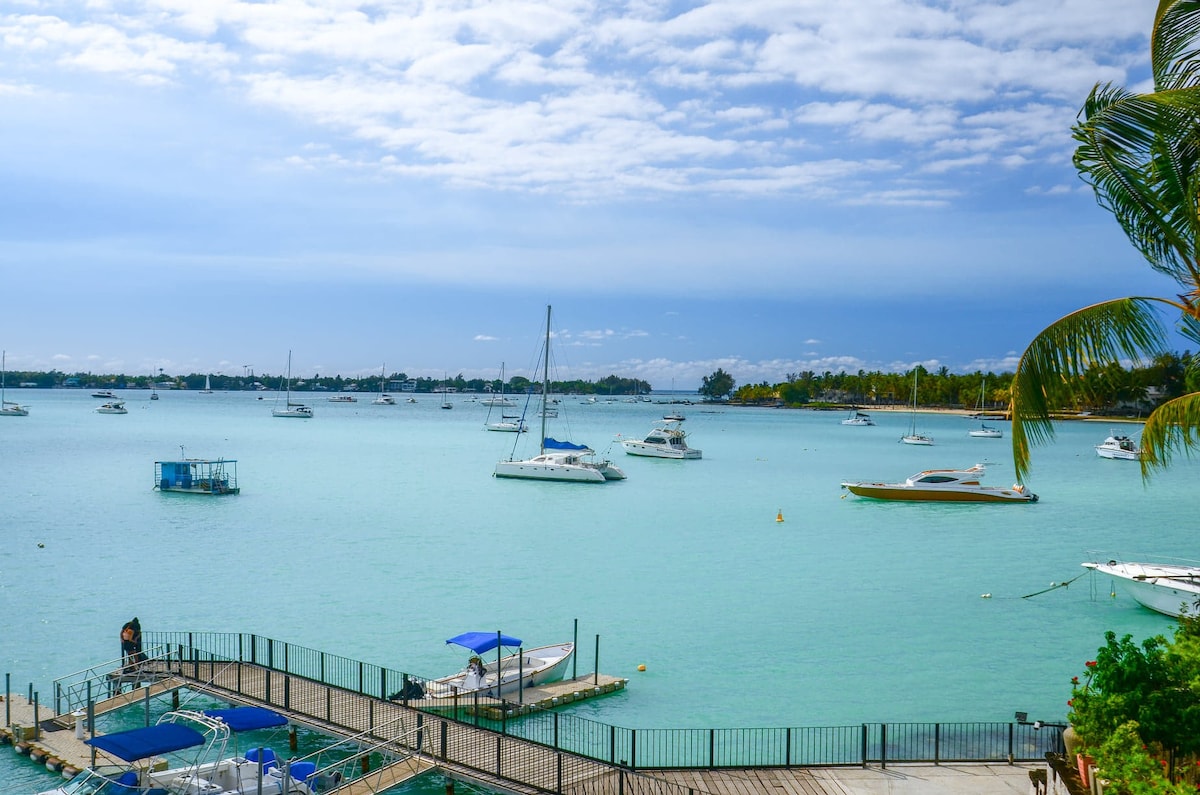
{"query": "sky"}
pixel 762 186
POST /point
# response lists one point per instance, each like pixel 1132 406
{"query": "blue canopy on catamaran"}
pixel 150 741
pixel 553 444
pixel 244 719
pixel 479 642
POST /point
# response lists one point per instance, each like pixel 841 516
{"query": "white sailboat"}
pixel 290 409
pixel 913 437
pixel 984 431
pixel 207 387
pixel 446 404
pixel 506 424
pixel 8 408
pixel 561 461
pixel 384 398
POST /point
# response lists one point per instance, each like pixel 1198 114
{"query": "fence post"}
pixel 556 739
pixel 633 749
pixel 612 745
pixel 498 741
pixel 8 704
pixel 787 755
pixel 270 653
pixel 883 745
pixel 287 692
pixel 558 759
pixel 445 739
pixel 712 748
pixel 254 649
pixel 864 745
pixel 1010 743
pixel 937 743
pixel 361 680
pixel 383 684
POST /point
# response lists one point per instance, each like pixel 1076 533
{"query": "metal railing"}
pixel 297 668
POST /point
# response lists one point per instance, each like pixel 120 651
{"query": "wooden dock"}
pixel 453 747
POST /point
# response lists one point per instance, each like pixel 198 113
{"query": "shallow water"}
pixel 377 531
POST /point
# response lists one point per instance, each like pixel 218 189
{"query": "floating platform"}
pixel 197 476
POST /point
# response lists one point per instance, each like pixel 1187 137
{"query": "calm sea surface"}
pixel 376 532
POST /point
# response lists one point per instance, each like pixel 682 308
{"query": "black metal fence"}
pixel 866 743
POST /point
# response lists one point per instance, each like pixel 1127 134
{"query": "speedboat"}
pixel 1119 447
pixel 1165 587
pixel 665 440
pixel 104 394
pixel 985 431
pixel 858 418
pixel 195 747
pixel 942 485
pixel 342 399
pixel 388 400
pixel 520 668
pixel 113 407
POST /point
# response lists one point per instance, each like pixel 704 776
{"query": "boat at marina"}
pixel 384 398
pixel 560 461
pixel 112 407
pixel 912 437
pixel 197 476
pixel 1121 448
pixel 985 431
pixel 666 440
pixel 194 747
pixel 505 673
pixel 858 418
pixel 290 408
pixel 942 485
pixel 8 408
pixel 1167 587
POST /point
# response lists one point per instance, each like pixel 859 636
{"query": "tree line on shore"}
pixel 1099 388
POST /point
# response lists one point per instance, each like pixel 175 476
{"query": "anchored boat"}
pixel 942 485
pixel 197 476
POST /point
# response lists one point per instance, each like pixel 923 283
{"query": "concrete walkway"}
pixel 950 779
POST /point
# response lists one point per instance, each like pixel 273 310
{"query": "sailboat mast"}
pixel 545 382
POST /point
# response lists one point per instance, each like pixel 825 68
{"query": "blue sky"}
pixel 763 186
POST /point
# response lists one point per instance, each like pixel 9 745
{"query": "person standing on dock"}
pixel 128 646
pixel 136 625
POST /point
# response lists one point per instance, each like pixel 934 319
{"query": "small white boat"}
pixel 674 416
pixel 8 408
pixel 522 668
pixel 207 387
pixel 665 440
pixel 858 418
pixel 104 394
pixel 1164 587
pixel 342 399
pixel 985 431
pixel 508 426
pixel 384 398
pixel 112 407
pixel 912 437
pixel 290 408
pixel 942 485
pixel 1118 447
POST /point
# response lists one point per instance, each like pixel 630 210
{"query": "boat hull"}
pixel 1163 588
pixel 902 492
pixel 531 668
pixel 542 470
pixel 659 451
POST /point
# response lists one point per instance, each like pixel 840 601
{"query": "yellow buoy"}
pixel 642 667
pixel 779 516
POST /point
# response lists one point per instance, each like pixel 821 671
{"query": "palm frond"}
pixel 1050 369
pixel 1174 427
pixel 1173 56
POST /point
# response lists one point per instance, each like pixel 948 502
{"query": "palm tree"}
pixel 1141 155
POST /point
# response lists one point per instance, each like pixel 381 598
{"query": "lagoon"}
pixel 376 532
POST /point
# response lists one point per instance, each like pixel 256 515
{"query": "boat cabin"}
pixel 197 476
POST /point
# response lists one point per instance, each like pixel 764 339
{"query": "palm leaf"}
pixel 1173 56
pixel 1051 368
pixel 1174 427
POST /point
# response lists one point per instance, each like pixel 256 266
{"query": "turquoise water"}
pixel 376 532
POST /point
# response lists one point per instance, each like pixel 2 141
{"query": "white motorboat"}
pixel 8 408
pixel 558 461
pixel 194 749
pixel 1165 587
pixel 104 394
pixel 942 485
pixel 112 407
pixel 666 440
pixel 858 418
pixel 342 399
pixel 384 398
pixel 517 669
pixel 1118 447
pixel 985 431
pixel 912 437
pixel 291 408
